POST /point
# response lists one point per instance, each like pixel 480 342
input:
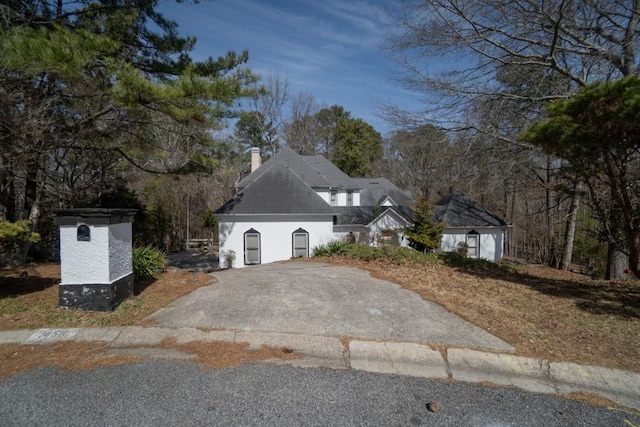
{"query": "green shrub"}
pixel 362 252
pixel 13 236
pixel 456 260
pixel 148 263
pixel 335 247
pixel 401 256
pixel 395 254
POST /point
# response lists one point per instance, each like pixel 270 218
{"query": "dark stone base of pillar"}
pixel 96 296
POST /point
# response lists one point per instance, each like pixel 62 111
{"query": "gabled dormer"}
pixel 387 201
pixel 381 192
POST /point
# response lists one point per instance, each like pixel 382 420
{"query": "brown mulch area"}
pixel 543 312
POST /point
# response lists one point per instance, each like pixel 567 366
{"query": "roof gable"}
pixel 364 215
pixel 315 171
pixel 457 210
pixel 376 190
pixel 391 212
pixel 278 191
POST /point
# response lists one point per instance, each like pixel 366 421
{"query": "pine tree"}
pixel 424 235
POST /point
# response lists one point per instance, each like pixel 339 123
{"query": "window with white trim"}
pixel 349 197
pixel 334 197
pixel 251 247
pixel 300 243
pixel 473 244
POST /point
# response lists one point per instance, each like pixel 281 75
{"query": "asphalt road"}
pixel 161 393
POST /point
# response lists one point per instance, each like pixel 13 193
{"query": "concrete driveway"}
pixel 312 298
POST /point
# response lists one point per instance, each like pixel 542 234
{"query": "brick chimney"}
pixel 255 158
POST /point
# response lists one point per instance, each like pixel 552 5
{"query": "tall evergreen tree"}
pixel 90 86
pixel 357 147
pixel 423 234
pixel 598 133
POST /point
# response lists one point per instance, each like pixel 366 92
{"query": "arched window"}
pixel 300 240
pixel 251 247
pixel 473 244
pixel 83 233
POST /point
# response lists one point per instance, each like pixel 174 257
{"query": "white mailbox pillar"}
pixel 96 257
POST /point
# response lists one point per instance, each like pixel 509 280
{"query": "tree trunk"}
pixel 551 259
pixel 617 262
pixel 571 228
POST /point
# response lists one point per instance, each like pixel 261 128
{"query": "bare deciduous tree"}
pixel 489 66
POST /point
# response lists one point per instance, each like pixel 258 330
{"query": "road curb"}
pixel 401 358
pixel 615 384
pixel 503 369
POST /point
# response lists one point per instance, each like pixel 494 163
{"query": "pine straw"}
pixel 29 299
pixel 88 355
pixel 543 312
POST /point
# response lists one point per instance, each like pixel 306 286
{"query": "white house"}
pixel 294 203
pixel 468 222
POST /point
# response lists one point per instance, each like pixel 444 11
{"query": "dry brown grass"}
pixel 543 312
pixel 29 299
pixel 70 355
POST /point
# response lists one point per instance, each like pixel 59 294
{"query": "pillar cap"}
pixel 94 216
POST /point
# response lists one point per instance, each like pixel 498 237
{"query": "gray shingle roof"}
pixel 331 172
pixel 457 210
pixel 374 191
pixel 315 171
pixel 362 215
pixel 278 191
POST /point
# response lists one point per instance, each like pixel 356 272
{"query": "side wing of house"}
pixel 471 224
pixel 481 242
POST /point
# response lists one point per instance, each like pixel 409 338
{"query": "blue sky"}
pixel 329 48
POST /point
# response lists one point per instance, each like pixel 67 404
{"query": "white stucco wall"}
pixel 324 193
pixel 120 251
pixel 84 262
pixel 491 241
pixel 341 196
pixel 275 235
pixel 388 221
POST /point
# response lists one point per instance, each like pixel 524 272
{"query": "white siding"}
pixel 491 241
pixel 356 197
pixel 324 193
pixel 341 196
pixel 388 221
pixel 276 234
pixel 84 262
